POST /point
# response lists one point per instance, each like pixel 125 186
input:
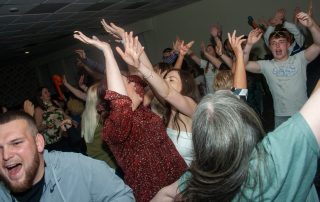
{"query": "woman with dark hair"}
pixel 135 135
pixel 177 90
pixel 51 121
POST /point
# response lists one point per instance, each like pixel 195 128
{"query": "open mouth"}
pixel 13 169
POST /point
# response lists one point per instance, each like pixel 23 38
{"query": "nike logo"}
pixel 52 188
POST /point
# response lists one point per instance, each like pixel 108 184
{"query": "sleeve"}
pixel 293 29
pixel 267 33
pixel 104 184
pixel 302 58
pixel 241 93
pixel 120 120
pixel 203 63
pixel 94 65
pixel 293 151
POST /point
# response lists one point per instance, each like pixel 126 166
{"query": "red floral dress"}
pixel 143 150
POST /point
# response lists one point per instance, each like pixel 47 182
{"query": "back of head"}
pixel 75 106
pixel 223 80
pixel 225 131
pixel 19 115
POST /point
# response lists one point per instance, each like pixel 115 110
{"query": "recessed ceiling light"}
pixel 26 52
pixel 14 9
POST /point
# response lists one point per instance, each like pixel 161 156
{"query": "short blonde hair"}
pixel 223 80
pixel 75 106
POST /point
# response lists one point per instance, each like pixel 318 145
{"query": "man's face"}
pixel 21 162
pixel 279 48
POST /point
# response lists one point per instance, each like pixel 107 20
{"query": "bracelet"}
pixel 147 77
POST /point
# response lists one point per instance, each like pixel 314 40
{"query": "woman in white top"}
pixel 176 90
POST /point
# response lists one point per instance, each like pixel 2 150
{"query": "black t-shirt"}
pixel 31 195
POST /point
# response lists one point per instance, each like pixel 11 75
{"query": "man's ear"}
pixel 40 142
pixel 288 44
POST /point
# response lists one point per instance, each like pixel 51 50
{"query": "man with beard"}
pixel 30 173
pixel 285 75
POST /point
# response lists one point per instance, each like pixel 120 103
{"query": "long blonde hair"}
pixel 90 115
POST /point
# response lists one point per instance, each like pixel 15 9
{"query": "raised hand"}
pixel 92 41
pixel 133 50
pixel 115 31
pixel 305 19
pixel 28 107
pixel 295 13
pixel 215 31
pixel 65 124
pixel 263 22
pixel 310 8
pixel 219 47
pixel 236 42
pixel 254 36
pixel 280 14
pixel 81 81
pixel 184 48
pixel 177 44
pixel 81 54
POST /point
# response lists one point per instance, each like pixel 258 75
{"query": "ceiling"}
pixel 42 26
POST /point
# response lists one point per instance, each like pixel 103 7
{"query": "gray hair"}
pixel 225 131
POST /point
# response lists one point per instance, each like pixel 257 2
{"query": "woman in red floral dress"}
pixel 136 136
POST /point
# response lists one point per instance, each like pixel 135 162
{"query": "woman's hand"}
pixel 115 31
pixel 103 46
pixel 236 42
pixel 132 50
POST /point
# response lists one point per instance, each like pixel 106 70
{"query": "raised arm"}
pixel 96 75
pixel 221 53
pixel 113 75
pixel 310 112
pixel 182 103
pixel 28 107
pixel 293 29
pixel 183 50
pixel 212 58
pixel 97 67
pixel 313 51
pixel 118 33
pixel 253 37
pixel 81 83
pixel 73 90
pixel 240 77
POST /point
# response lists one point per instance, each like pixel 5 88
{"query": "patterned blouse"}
pixel 141 146
pixel 52 117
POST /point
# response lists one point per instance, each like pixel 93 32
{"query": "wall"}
pixel 191 22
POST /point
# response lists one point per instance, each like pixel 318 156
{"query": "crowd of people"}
pixel 169 131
